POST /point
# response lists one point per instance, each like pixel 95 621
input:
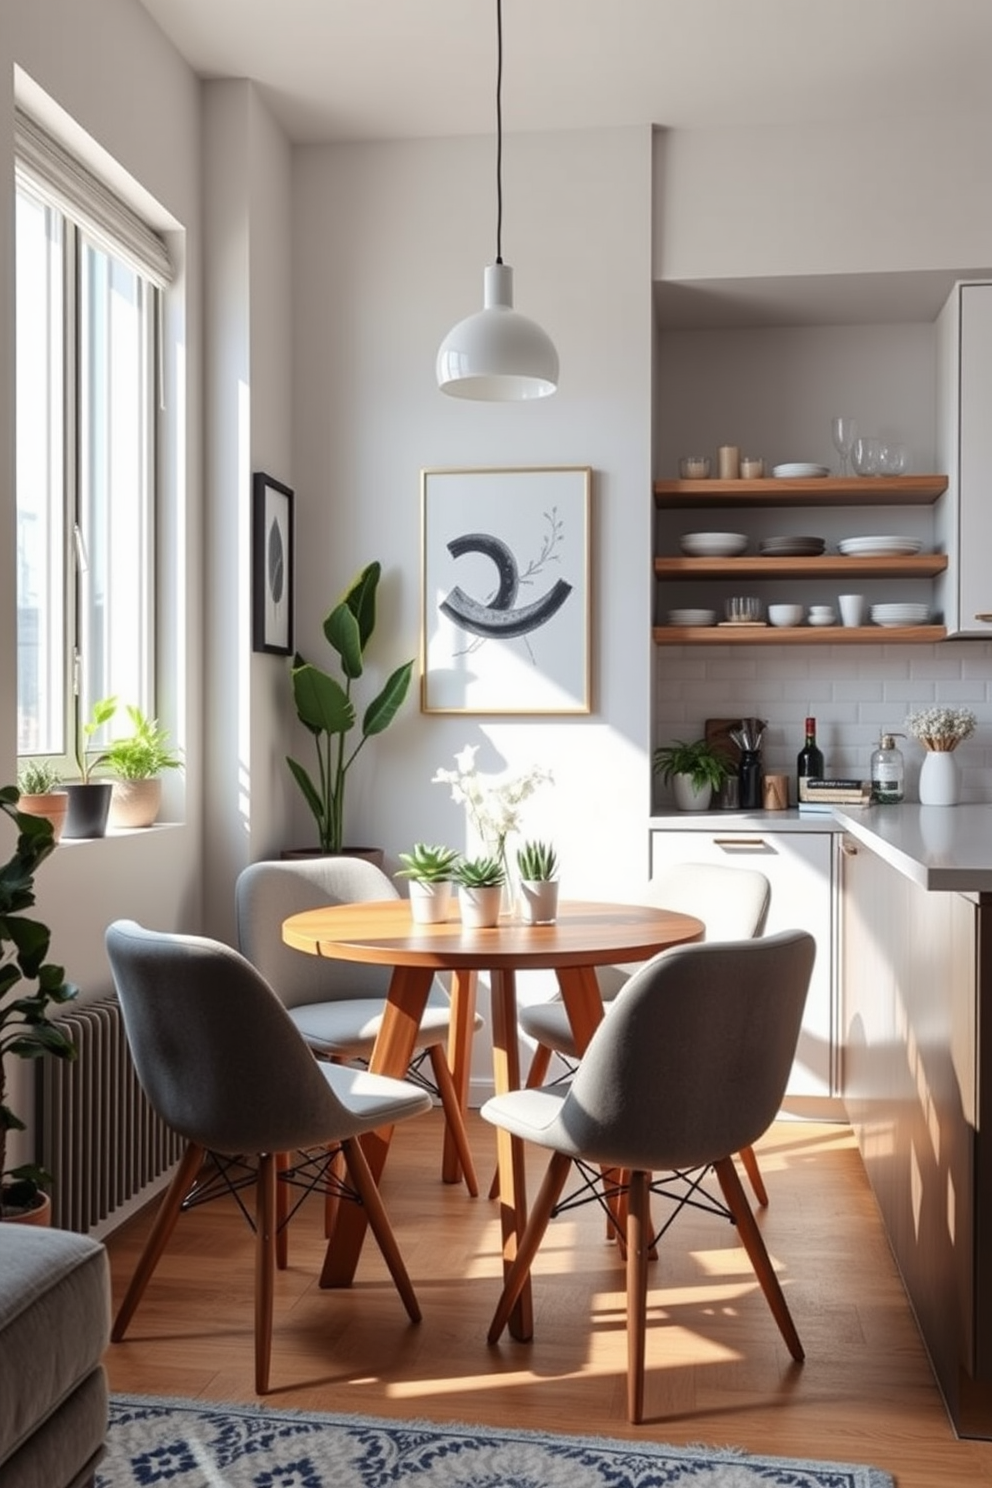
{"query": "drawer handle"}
pixel 738 842
pixel 848 848
pixel 981 616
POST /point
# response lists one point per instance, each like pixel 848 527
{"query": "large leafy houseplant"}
pixel 29 985
pixel 325 707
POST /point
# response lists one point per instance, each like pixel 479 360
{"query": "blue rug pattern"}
pixel 154 1443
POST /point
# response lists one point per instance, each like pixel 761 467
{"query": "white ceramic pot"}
pixel 429 902
pixel 480 907
pixel 939 780
pixel 687 797
pixel 538 901
pixel 135 803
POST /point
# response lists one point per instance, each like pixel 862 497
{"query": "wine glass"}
pixel 843 432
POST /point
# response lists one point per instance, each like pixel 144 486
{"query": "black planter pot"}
pixel 89 807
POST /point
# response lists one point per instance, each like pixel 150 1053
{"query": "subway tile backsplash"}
pixel 854 692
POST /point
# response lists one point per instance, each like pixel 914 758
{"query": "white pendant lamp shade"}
pixel 497 355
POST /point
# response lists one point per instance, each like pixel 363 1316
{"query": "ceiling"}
pixel 385 69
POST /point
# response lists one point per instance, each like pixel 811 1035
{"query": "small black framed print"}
pixel 272 565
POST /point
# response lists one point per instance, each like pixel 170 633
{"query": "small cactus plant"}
pixel 428 863
pixel 479 873
pixel 538 862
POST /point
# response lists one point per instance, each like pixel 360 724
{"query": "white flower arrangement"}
pixel 493 809
pixel 941 729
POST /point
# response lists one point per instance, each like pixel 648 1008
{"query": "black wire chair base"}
pixel 679 1188
pixel 222 1175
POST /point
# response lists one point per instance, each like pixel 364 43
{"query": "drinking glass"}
pixel 843 432
pixel 865 455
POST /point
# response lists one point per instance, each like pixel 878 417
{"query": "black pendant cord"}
pixel 499 131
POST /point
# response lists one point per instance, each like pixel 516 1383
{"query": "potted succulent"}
pixel 28 986
pixel 429 868
pixel 41 793
pixel 89 799
pixel 326 709
pixel 694 770
pixel 137 763
pixel 538 866
pixel 480 890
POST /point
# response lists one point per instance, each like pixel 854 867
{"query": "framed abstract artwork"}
pixel 272 565
pixel 505 622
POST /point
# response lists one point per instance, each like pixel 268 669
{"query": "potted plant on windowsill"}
pixel 28 986
pixel 89 799
pixel 538 866
pixel 41 793
pixel 694 770
pixel 327 711
pixel 429 867
pixel 137 763
pixel 480 891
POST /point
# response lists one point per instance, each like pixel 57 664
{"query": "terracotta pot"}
pixel 40 1214
pixel 53 804
pixel 135 803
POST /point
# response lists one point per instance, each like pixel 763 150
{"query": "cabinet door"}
pixel 799 867
pixel 975 513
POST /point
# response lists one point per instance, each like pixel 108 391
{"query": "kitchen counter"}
pixel 938 847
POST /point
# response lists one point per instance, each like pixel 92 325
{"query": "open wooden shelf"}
pixel 859 490
pixel 911 566
pixel 795 635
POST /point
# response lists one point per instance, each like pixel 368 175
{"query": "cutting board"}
pixel 717 734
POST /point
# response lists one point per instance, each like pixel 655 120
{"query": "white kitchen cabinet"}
pixel 964 432
pixel 800 868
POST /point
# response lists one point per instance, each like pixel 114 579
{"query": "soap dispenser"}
pixel 888 771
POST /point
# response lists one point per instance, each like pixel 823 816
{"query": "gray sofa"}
pixel 54 1327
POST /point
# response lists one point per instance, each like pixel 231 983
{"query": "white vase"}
pixel 480 906
pixel 538 901
pixel 939 780
pixel 429 902
pixel 688 797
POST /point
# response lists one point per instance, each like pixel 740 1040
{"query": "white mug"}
pixel 852 608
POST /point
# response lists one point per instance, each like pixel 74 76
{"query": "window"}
pixel 88 288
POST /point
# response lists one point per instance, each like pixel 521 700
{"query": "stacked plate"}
pixel 713 544
pixel 799 471
pixel 879 547
pixel 900 614
pixel 692 617
pixel 792 547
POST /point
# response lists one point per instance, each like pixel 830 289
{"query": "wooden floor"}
pixel 718 1371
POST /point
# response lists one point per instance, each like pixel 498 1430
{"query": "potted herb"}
pixel 694 770
pixel 429 868
pixel 325 707
pixel 538 866
pixel 41 793
pixel 138 762
pixel 480 890
pixel 29 985
pixel 89 799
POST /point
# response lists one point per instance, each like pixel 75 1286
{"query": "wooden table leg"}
pixel 408 991
pixel 510 1152
pixel 460 1033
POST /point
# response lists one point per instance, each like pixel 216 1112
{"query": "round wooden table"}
pixel 586 935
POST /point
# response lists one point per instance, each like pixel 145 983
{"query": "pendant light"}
pixel 497 355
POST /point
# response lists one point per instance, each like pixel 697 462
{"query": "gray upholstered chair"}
pixel 222 1064
pixel 733 904
pixel 689 1067
pixel 337 1005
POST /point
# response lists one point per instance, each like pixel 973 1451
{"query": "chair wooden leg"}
pixel 733 1192
pixel 283 1164
pixel 265 1265
pixel 165 1220
pixel 750 1164
pixel 332 1198
pixel 368 1191
pixel 535 1076
pixel 454 1118
pixel 547 1198
pixel 638 1235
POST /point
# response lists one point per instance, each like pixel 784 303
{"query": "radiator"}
pixel 98 1136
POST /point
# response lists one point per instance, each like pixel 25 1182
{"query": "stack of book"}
pixel 822 795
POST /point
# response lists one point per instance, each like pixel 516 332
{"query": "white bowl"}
pixel 713 544
pixel 785 614
pixel 830 619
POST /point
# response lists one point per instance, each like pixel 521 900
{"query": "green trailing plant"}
pixel 101 713
pixel 537 862
pixel 38 778
pixel 325 707
pixel 29 985
pixel 428 863
pixel 698 759
pixel 479 873
pixel 146 751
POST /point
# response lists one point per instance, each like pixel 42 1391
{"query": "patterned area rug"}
pixel 195 1444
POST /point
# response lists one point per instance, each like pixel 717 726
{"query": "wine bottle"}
pixel 809 761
